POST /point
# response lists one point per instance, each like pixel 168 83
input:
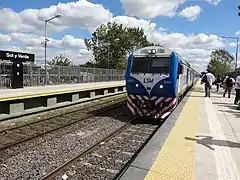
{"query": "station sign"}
pixel 16 56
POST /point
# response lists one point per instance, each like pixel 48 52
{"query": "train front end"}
pixel 151 82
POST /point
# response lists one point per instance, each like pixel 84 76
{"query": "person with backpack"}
pixel 229 83
pixel 237 89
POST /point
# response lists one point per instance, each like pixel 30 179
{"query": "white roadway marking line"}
pixel 226 167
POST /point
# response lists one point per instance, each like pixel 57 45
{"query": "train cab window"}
pixel 140 65
pixel 160 65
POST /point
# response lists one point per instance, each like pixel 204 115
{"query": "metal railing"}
pixel 35 75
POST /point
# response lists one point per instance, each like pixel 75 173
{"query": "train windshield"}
pixel 151 65
pixel 160 65
pixel 141 65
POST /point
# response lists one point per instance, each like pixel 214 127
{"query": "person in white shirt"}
pixel 208 79
pixel 237 89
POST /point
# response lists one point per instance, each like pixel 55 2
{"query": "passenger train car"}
pixel 156 78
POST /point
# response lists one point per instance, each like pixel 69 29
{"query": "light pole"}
pixel 237 39
pixel 108 49
pixel 45 44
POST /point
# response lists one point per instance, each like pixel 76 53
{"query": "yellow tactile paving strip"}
pixel 176 160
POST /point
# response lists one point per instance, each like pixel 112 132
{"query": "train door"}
pixel 187 80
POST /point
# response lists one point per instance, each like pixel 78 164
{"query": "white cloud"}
pixel 195 48
pixel 232 44
pixel 33 40
pixel 70 41
pixel 191 13
pixel 214 2
pixel 133 22
pixel 151 8
pixel 26 29
pixel 73 48
pixel 237 33
pixel 4 38
pixel 81 14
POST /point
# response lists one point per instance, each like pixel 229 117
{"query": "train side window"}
pixel 180 69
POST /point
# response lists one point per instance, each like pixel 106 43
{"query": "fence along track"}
pixel 61 126
pixel 55 172
pixel 34 75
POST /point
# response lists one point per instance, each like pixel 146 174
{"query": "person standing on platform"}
pixel 229 83
pixel 237 89
pixel 218 82
pixel 208 80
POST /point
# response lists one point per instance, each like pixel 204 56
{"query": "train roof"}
pixel 183 60
pixel 159 51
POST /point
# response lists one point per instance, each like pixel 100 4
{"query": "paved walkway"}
pixel 200 140
pixel 218 140
pixel 27 91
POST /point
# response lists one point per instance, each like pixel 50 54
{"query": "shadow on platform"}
pixel 233 112
pixel 227 105
pixel 197 90
pixel 232 109
pixel 208 141
pixel 223 103
pixel 203 96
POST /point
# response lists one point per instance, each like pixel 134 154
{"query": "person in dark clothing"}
pixel 218 82
pixel 229 83
pixel 237 88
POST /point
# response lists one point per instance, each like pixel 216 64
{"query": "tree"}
pixel 89 64
pixel 221 61
pixel 60 61
pixel 110 44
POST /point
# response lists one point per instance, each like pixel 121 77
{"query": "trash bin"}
pixel 17 75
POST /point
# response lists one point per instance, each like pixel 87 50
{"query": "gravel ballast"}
pixel 107 160
pixel 25 132
pixel 34 159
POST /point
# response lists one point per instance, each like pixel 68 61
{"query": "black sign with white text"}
pixel 16 56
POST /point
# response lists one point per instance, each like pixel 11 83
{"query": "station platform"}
pixel 200 140
pixel 32 92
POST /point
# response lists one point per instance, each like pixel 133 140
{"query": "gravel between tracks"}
pixel 108 159
pixel 32 160
pixel 21 133
pixel 15 122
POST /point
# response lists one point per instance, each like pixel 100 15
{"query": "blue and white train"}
pixel 156 78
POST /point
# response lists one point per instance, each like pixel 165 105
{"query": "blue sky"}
pixel 221 19
pixel 195 38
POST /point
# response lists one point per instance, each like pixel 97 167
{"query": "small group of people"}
pixel 228 83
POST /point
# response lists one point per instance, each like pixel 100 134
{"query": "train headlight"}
pixel 137 85
pixel 161 86
pixel 152 51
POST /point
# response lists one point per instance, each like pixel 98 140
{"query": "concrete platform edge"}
pixel 59 105
pixel 143 162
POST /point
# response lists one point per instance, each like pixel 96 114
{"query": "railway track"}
pixel 56 171
pixel 69 112
pixel 109 156
pixel 103 154
pixel 38 129
pixel 34 159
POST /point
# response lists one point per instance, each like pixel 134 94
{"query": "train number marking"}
pixel 148 80
pixel 167 82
